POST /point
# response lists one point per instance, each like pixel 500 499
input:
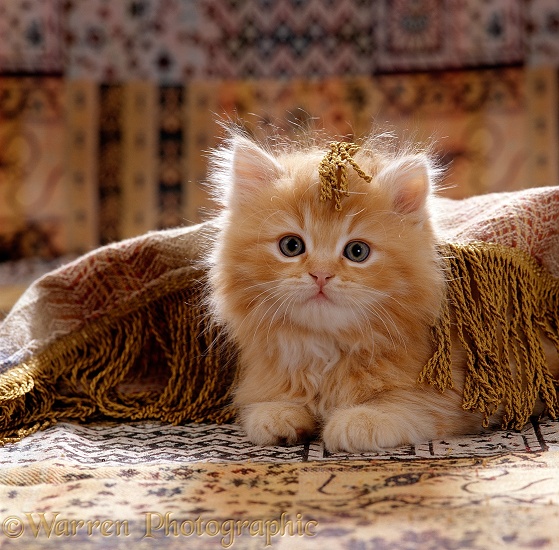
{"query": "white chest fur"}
pixel 308 358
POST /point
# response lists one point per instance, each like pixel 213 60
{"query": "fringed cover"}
pixel 501 304
pixel 121 333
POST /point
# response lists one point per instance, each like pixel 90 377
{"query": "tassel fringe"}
pixel 501 305
pixel 161 362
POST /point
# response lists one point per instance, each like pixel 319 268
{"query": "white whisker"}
pixel 265 314
pixel 274 316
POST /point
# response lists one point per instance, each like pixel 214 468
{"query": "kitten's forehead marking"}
pixel 332 171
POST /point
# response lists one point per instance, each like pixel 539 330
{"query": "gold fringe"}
pixel 500 304
pixel 161 360
pixel 333 171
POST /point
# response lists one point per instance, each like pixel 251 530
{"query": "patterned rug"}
pixel 149 484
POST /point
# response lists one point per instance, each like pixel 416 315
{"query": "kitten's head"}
pixel 286 260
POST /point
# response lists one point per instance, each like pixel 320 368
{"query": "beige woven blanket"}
pixel 120 332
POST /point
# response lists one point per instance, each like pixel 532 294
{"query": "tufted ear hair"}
pixel 252 169
pixel 408 179
pixel 239 169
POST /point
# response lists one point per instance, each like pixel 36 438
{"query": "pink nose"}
pixel 321 278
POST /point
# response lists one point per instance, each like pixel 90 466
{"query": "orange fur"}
pixel 327 344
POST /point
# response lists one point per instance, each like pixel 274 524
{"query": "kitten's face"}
pixel 287 259
pixel 318 271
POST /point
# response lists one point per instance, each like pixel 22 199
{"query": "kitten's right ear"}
pixel 252 168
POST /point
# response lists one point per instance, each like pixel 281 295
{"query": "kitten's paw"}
pixel 276 423
pixel 362 429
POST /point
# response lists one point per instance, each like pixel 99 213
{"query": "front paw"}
pixel 362 429
pixel 277 423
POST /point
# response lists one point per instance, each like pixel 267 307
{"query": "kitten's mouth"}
pixel 320 297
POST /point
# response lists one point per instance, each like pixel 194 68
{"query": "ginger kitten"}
pixel 331 308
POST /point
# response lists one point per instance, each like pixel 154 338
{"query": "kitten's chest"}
pixel 308 360
pixel 324 375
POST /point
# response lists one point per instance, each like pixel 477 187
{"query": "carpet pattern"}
pixel 148 443
pixel 154 485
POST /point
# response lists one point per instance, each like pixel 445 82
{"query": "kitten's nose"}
pixel 321 278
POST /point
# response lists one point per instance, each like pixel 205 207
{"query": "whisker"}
pixel 364 317
pixel 255 311
pixel 379 312
pixel 274 316
pixel 264 316
pixel 294 295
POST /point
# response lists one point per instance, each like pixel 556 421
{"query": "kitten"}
pixel 331 309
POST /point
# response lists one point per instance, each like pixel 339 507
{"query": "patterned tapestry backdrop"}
pixel 108 108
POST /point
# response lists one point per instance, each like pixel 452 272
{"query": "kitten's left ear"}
pixel 408 179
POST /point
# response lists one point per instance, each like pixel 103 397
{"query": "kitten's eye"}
pixel 357 251
pixel 291 246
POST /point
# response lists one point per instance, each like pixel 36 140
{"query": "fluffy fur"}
pixel 327 344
